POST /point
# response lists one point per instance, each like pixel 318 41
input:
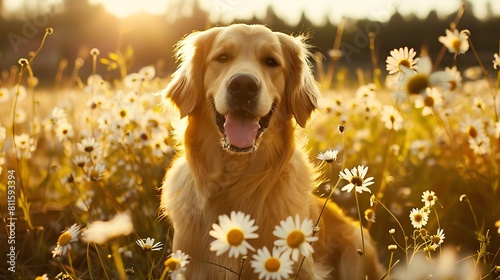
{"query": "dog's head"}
pixel 246 74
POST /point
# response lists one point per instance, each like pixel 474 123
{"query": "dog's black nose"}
pixel 243 87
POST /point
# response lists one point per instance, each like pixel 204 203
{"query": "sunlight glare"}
pixel 125 8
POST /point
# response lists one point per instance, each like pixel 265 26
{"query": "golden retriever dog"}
pixel 244 89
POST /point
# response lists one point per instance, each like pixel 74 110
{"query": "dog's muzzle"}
pixel 240 127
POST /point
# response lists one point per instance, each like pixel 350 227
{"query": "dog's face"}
pixel 244 73
pixel 244 79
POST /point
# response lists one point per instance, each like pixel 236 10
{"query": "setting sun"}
pixel 125 8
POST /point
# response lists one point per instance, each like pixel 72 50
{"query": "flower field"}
pixel 81 164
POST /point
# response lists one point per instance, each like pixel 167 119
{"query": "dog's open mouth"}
pixel 241 130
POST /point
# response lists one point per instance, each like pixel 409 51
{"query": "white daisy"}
pixel 149 244
pixel 96 172
pixel 88 145
pixel 420 148
pixel 480 145
pixel 104 121
pixel 370 215
pixel 99 102
pixel 456 80
pixel 432 99
pixel 101 231
pixel 478 103
pixel 58 115
pixel 147 72
pixel 64 240
pixel 20 115
pixel 81 160
pixel 22 141
pixel 419 217
pixel 438 239
pixel 328 156
pixel 64 130
pixel 456 42
pixel 123 114
pixel 21 92
pixel 356 178
pixel 4 94
pixel 429 198
pixel 496 61
pixel 366 92
pixel 295 237
pixel 231 234
pixel 159 145
pixel 95 83
pixel 176 264
pixel 133 81
pixel 391 118
pixel 272 266
pixel 25 145
pixel 474 128
pixel 416 83
pixel 401 57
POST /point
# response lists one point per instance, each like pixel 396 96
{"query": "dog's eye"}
pixel 271 62
pixel 222 58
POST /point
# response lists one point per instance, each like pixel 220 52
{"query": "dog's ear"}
pixel 186 87
pixel 302 92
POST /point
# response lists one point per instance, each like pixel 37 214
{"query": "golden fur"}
pixel 271 181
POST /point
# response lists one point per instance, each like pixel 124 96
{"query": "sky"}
pixel 318 11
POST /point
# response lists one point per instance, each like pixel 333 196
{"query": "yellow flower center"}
pixel 235 237
pixel 153 123
pixel 64 238
pixel 272 264
pixel 88 149
pixel 358 182
pixel 369 214
pixel 405 63
pixel 94 175
pixel 295 239
pixel 147 247
pixel 453 85
pixel 436 239
pixel 417 83
pixel 172 264
pixel 428 101
pixel 472 132
pixel 418 218
pixel 456 44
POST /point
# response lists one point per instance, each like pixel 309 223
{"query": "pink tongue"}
pixel 240 131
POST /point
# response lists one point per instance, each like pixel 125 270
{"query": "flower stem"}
pixel 390 266
pixel 405 249
pixel 241 267
pixel 118 261
pixel 362 234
